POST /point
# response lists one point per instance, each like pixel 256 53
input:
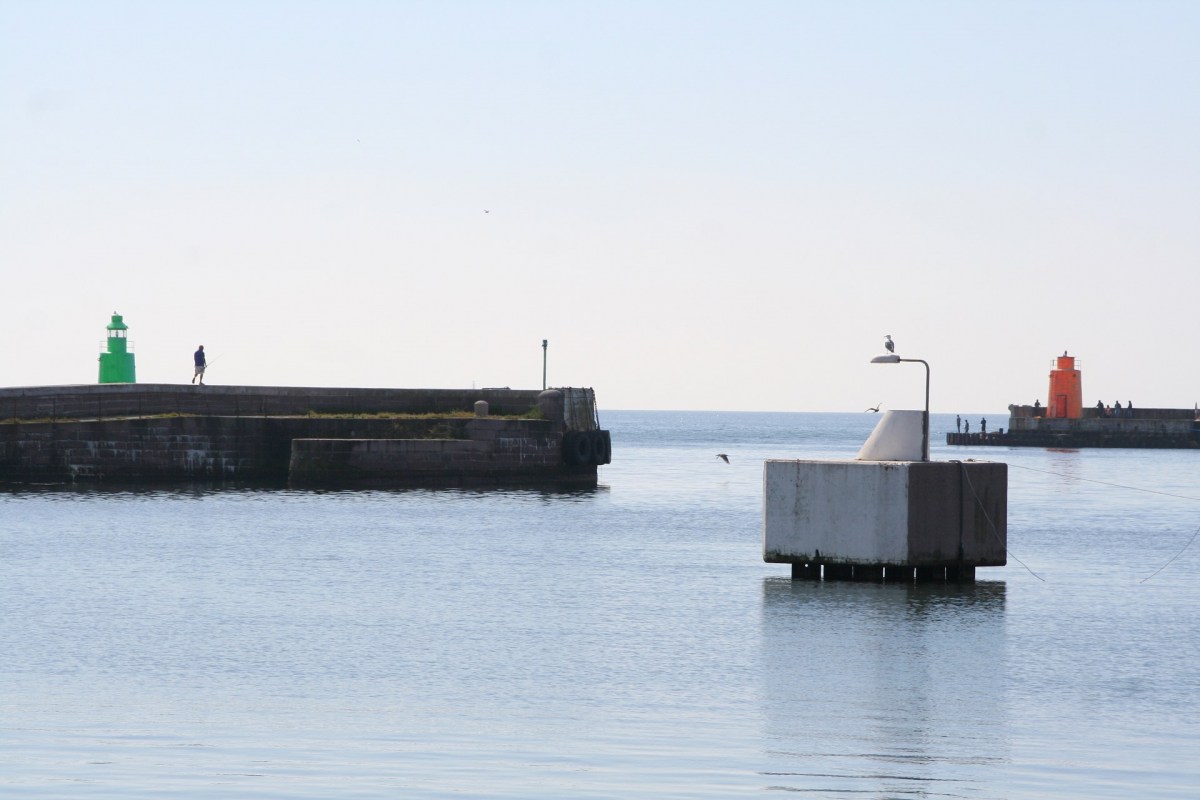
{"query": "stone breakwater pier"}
pixel 130 434
pixel 1028 426
pixel 1064 422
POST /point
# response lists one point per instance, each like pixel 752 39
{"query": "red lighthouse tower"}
pixel 1066 389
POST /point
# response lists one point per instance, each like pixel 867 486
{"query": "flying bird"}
pixel 873 408
pixel 723 457
pixel 889 344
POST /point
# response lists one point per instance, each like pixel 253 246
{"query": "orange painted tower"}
pixel 1066 389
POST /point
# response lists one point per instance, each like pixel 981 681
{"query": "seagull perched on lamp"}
pixel 888 344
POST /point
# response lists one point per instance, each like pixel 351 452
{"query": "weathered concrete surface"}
pixel 526 457
pixel 1157 428
pixel 188 448
pixel 918 514
pixel 367 451
pixel 98 401
pixel 119 434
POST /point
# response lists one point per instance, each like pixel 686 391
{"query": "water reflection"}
pixel 198 489
pixel 890 691
pixel 1065 466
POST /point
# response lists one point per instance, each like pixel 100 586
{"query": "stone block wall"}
pixel 361 451
pixel 120 433
pixel 136 450
pixel 506 455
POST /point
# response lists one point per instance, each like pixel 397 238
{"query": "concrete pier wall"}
pixel 1160 433
pixel 1158 428
pixel 132 434
pixel 155 450
pixel 97 401
pixel 878 514
pixel 1021 416
pixel 497 452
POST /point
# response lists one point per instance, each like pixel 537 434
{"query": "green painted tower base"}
pixel 116 365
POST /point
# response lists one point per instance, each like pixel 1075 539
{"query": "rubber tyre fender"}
pixel 577 448
pixel 601 447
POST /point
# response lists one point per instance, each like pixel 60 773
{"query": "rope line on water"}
pixel 1132 489
pixel 1107 483
pixel 992 525
pixel 1177 555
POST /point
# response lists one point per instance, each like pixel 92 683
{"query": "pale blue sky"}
pixel 700 205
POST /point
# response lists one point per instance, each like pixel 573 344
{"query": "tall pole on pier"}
pixel 544 343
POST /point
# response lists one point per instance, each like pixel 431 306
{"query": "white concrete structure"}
pixel 899 436
pixel 893 514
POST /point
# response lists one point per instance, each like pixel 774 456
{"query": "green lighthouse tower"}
pixel 116 366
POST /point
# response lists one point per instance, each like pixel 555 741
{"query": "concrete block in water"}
pixel 880 513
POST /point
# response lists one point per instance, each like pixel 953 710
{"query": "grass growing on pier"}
pixel 44 420
pixel 533 413
pixel 388 415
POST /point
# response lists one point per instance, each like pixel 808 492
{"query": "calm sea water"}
pixel 622 642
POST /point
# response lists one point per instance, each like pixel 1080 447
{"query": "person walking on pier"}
pixel 983 426
pixel 198 357
pixel 967 429
pixel 958 423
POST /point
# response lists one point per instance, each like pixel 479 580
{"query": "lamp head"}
pixel 887 358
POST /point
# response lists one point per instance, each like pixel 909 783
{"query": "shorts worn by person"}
pixel 198 357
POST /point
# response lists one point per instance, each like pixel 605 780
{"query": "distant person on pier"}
pixel 983 426
pixel 958 423
pixel 1037 408
pixel 1129 409
pixel 967 428
pixel 198 357
pixel 1099 408
pixel 1118 409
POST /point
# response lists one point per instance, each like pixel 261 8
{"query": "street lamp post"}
pixel 892 358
